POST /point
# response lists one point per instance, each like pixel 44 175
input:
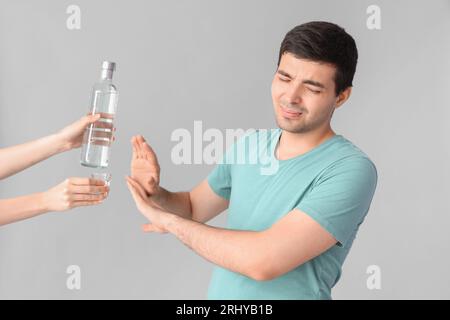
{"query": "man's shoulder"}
pixel 348 152
pixel 344 158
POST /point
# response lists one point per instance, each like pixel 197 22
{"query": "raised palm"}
pixel 144 165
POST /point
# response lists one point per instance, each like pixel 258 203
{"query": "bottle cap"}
pixel 108 65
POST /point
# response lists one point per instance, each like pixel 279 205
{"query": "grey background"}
pixel 180 61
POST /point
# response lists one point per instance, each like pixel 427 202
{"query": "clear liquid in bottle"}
pixel 95 150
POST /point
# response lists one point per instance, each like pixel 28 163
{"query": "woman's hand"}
pixel 71 136
pixel 75 192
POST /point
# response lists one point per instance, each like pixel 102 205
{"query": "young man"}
pixel 71 193
pixel 290 231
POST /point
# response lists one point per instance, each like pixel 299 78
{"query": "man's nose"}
pixel 293 95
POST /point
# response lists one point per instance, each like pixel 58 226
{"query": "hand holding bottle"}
pixel 71 136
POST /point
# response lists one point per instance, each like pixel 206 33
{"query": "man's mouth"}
pixel 290 113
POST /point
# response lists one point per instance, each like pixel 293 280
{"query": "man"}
pixel 71 193
pixel 289 232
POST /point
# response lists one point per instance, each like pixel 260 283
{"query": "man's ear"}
pixel 342 97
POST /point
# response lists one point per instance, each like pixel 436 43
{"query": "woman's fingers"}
pixel 75 192
pixel 84 203
pixel 86 190
pixel 85 181
pixel 88 119
pixel 89 189
pixel 88 197
pixel 102 134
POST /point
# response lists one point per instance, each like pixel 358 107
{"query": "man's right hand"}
pixel 201 204
pixel 145 167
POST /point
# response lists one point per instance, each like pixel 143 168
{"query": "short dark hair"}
pixel 324 42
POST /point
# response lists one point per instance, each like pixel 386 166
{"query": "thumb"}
pixel 151 182
pixel 152 187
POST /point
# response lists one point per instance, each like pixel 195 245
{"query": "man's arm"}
pixel 262 255
pixel 201 204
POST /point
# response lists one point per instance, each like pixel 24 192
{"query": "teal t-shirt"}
pixel 333 183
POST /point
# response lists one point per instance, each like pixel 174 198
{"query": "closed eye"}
pixel 284 79
pixel 313 89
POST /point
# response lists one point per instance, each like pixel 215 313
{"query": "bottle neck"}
pixel 106 75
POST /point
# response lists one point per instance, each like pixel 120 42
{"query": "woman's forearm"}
pixel 20 208
pixel 17 158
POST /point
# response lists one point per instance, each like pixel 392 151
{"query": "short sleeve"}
pixel 341 197
pixel 219 180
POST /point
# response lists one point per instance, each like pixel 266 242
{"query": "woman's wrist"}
pixel 42 201
pixel 59 143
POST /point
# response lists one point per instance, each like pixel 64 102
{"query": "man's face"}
pixel 303 94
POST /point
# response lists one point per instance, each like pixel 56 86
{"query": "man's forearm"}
pixel 239 251
pixel 178 203
pixel 20 208
pixel 17 158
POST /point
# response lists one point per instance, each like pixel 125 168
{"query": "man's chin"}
pixel 291 126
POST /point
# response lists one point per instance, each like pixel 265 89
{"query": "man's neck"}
pixel 295 144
